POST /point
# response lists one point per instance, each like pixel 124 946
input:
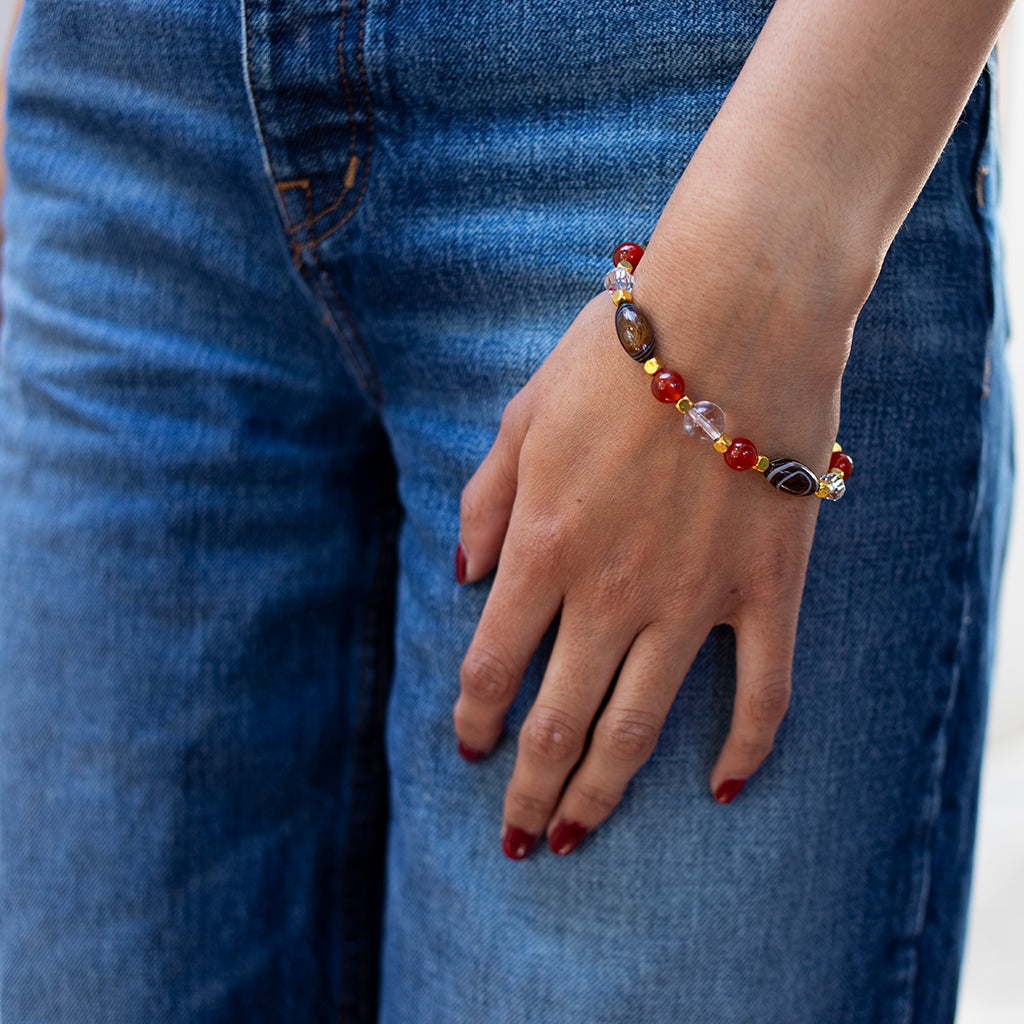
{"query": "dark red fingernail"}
pixel 460 564
pixel 518 843
pixel 469 754
pixel 729 790
pixel 566 836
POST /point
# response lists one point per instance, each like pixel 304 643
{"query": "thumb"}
pixel 487 504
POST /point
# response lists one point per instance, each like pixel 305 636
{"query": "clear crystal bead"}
pixel 618 279
pixel 836 485
pixel 705 422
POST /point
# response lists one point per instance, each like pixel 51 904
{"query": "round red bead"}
pixel 630 252
pixel 842 462
pixel 668 386
pixel 741 454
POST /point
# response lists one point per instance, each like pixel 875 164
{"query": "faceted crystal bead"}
pixel 634 332
pixel 741 454
pixel 705 422
pixel 628 252
pixel 618 279
pixel 842 462
pixel 668 386
pixel 835 484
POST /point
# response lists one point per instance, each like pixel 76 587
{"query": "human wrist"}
pixel 742 319
pixel 704 420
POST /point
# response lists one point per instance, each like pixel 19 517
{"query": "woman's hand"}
pixel 598 506
pixel 595 505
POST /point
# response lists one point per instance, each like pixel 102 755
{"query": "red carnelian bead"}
pixel 668 386
pixel 741 454
pixel 842 462
pixel 630 252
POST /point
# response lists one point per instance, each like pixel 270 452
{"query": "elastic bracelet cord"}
pixel 705 421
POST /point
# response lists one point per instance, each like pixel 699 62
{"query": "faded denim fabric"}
pixel 273 269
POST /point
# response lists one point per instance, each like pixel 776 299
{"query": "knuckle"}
pixel 597 803
pixel 487 677
pixel 617 584
pixel 471 509
pixel 751 748
pixel 766 702
pixel 779 572
pixel 630 735
pixel 513 413
pixel 526 807
pixel 551 735
pixel 545 542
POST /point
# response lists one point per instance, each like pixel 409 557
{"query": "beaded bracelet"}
pixel 705 421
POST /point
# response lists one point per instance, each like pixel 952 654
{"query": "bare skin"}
pixel 753 281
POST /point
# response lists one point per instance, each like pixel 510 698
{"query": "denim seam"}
pixel 304 183
pixel 348 338
pixel 254 103
pixel 939 779
pixel 311 217
pixel 984 131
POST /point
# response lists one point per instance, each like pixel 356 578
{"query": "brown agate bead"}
pixel 634 332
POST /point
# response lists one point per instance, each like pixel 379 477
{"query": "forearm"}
pixel 823 144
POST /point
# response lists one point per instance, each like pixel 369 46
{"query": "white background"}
pixel 993 983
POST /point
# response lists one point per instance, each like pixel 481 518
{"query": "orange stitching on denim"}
pixel 371 128
pixel 351 172
pixel 344 82
pixel 284 186
pixel 297 245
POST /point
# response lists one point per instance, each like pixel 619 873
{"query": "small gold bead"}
pixel 621 295
pixel 684 404
pixel 762 464
pixel 625 265
pixel 722 443
pixel 652 366
pixel 837 447
pixel 823 490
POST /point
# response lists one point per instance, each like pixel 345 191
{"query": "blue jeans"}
pixel 273 270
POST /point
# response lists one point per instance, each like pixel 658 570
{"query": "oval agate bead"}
pixel 634 332
pixel 791 477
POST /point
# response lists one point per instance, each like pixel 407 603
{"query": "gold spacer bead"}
pixel 625 265
pixel 837 447
pixel 722 443
pixel 822 491
pixel 652 366
pixel 684 404
pixel 762 464
pixel 621 295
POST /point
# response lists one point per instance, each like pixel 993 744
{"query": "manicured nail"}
pixel 566 836
pixel 469 754
pixel 517 843
pixel 728 791
pixel 460 564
